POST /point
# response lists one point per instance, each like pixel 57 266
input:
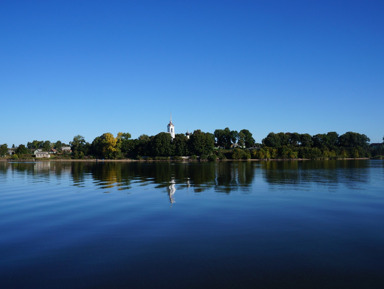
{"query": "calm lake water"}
pixel 189 225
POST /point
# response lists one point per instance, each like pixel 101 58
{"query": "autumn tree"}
pixel 105 146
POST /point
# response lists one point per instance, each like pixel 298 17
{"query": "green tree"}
pixel 234 136
pixel 58 145
pixel 141 146
pixel 36 144
pixel 306 140
pixel 3 150
pixel 276 140
pixel 223 137
pixel 201 143
pixel 353 139
pixel 356 144
pixel 79 147
pixel 293 139
pixel 180 145
pixel 125 144
pixel 161 145
pixel 22 150
pixel 272 140
pixel 47 146
pixel 241 154
pixel 246 139
pixel 226 137
pixel 332 140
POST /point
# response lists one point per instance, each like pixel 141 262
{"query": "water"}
pixel 179 225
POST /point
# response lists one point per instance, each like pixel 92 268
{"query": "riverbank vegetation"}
pixel 222 144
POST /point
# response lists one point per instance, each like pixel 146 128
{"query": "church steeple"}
pixel 171 128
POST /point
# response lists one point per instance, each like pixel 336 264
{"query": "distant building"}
pixel 66 149
pixel 40 154
pixel 171 128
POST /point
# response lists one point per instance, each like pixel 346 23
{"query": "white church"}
pixel 171 129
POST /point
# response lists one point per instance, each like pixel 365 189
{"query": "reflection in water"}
pixel 222 177
pixel 329 173
pixel 171 191
pixel 56 224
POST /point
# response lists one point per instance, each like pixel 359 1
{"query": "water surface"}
pixel 192 225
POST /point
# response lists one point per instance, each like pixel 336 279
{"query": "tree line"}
pixel 222 144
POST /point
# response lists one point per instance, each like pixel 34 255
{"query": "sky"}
pixel 85 68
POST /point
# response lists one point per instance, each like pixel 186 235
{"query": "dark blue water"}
pixel 165 225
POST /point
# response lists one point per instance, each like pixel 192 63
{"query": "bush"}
pixel 221 156
pixel 203 157
pixel 212 158
pixel 162 158
pixel 241 154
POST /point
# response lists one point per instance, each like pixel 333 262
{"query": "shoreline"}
pixel 179 161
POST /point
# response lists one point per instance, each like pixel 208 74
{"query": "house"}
pixel 40 154
pixel 66 149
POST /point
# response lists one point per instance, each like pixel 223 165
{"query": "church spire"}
pixel 171 127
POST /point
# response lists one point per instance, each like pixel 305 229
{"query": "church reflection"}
pixel 171 191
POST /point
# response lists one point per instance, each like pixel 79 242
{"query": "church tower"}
pixel 171 128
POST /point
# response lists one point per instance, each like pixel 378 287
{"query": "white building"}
pixel 171 128
pixel 40 154
pixel 66 149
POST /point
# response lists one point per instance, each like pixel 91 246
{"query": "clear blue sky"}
pixel 90 67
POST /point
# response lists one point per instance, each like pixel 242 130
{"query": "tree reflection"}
pixel 330 172
pixel 234 175
pixel 220 177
